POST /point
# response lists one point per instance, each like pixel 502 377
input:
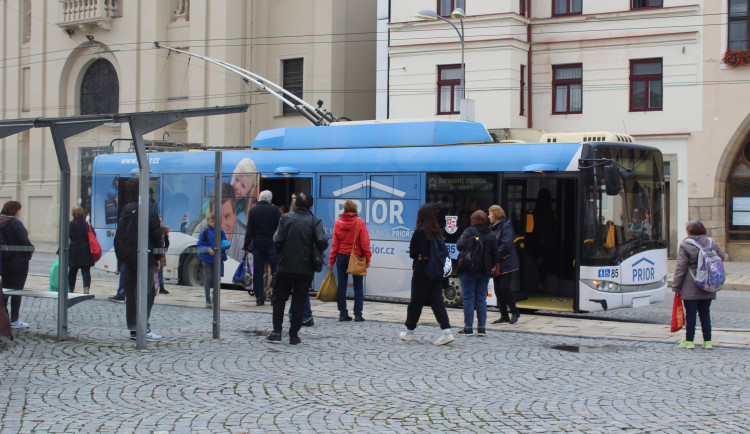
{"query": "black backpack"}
pixel 126 237
pixel 471 259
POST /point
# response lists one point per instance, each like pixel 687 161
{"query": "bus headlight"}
pixel 602 285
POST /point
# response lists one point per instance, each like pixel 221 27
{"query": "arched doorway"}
pixel 100 89
pixel 738 196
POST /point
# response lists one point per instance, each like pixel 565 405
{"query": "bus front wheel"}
pixel 452 292
pixel 192 270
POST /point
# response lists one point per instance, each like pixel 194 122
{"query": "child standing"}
pixel 206 255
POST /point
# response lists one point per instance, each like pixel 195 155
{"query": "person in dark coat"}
pixel 474 283
pixel 506 250
pixel 424 290
pixel 131 266
pixel 262 222
pixel 697 301
pixel 80 257
pixel 16 265
pixel 299 232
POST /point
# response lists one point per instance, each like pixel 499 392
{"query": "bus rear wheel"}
pixel 192 270
pixel 452 292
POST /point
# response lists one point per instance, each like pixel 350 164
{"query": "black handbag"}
pixel 317 256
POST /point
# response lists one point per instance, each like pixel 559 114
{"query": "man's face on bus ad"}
pixel 228 217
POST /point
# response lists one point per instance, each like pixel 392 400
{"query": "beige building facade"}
pixel 534 66
pixel 66 58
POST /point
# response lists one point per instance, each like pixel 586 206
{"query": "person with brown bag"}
pixel 506 265
pixel 350 253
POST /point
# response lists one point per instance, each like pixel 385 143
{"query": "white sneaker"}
pixel 445 339
pixel 152 337
pixel 406 336
pixel 19 325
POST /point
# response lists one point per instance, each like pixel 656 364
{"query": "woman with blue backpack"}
pixel 690 281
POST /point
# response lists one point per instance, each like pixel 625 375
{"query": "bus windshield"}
pixel 618 226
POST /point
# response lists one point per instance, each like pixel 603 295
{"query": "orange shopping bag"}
pixel 678 314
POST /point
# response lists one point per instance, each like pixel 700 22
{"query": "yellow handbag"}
pixel 328 288
pixel 357 264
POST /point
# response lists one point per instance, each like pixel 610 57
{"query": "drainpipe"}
pixel 530 118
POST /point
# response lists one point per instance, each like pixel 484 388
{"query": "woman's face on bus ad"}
pixel 242 184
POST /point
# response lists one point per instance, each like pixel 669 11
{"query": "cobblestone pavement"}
pixel 354 377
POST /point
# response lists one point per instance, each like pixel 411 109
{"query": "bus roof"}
pixel 373 134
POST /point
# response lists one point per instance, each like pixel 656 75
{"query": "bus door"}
pixel 542 210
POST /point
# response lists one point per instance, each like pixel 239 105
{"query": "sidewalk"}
pixel 234 300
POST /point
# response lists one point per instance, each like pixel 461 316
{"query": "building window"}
pixel 26 21
pixel 645 85
pixel 522 7
pixel 642 4
pixel 566 7
pixel 100 89
pixel 292 82
pixel 739 24
pixel 449 89
pixel 26 90
pixel 445 7
pixel 738 196
pixel 567 88
pixel 523 90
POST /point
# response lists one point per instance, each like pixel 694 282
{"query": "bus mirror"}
pixel 612 180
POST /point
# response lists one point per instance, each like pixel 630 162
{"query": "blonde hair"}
pixel 209 215
pixel 497 212
pixel 350 206
pixel 77 212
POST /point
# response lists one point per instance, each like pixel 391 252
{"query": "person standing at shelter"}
pixel 165 241
pixel 126 246
pixel 207 254
pixel 475 278
pixel 423 289
pixel 15 264
pixel 80 257
pixel 262 222
pixel 349 231
pixel 508 258
pixel 696 300
pixel 299 232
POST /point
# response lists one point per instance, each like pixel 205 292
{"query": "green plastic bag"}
pixel 328 288
pixel 54 275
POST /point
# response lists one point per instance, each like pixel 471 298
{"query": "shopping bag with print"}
pixel 678 314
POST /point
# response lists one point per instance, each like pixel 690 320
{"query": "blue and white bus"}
pixel 601 246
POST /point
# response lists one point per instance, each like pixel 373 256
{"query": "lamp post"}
pixel 458 14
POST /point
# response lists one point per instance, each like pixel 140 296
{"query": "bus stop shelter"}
pixel 140 123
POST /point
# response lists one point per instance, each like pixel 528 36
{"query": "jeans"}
pixel 474 290
pixel 208 280
pixel 121 286
pixel 261 254
pixel 342 278
pixel 131 294
pixel 296 285
pixel 425 291
pixel 73 273
pixel 703 309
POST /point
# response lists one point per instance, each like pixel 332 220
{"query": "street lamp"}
pixel 457 14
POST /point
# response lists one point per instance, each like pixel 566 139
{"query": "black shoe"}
pixel 274 337
pixel 514 318
pixel 308 322
pixel 358 318
pixel 163 291
pixel 466 332
pixel 481 333
pixel 259 302
pixel 500 320
pixel 294 340
pixel 345 318
pixel 116 299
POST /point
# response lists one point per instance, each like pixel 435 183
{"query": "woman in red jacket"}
pixel 347 226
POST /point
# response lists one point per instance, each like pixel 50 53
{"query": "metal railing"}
pixel 94 12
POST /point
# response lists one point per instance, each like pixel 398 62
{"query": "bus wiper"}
pixel 631 246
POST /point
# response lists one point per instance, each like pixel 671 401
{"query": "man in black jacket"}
pixel 261 225
pixel 299 232
pixel 131 262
